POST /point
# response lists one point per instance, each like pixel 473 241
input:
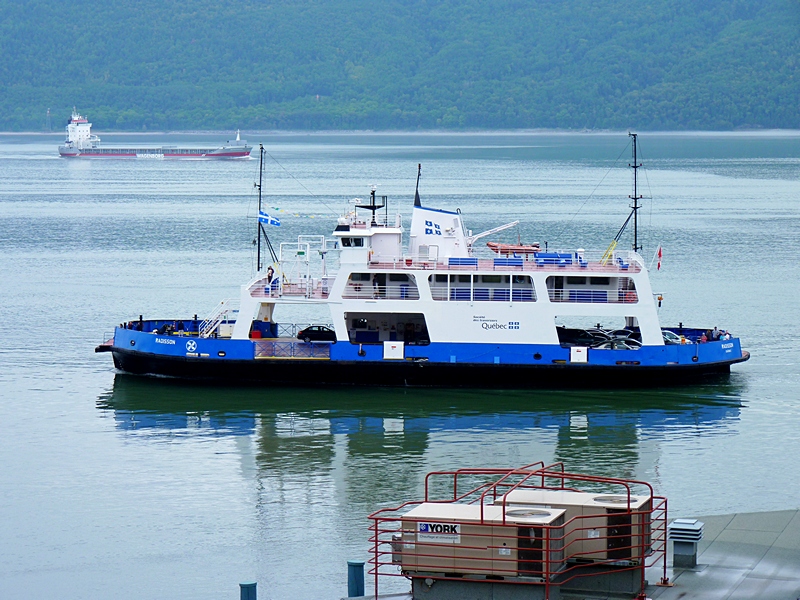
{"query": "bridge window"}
pixel 483 288
pixel 598 290
pixel 374 286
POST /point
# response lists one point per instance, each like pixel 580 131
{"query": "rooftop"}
pixel 741 556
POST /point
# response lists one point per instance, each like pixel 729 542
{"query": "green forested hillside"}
pixel 401 64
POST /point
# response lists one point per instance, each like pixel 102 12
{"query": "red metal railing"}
pixel 490 531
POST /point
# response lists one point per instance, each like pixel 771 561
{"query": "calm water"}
pixel 116 486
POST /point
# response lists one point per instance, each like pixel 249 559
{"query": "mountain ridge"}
pixel 415 64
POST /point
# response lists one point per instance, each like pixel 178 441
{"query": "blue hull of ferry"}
pixel 435 364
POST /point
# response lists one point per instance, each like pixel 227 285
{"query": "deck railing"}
pixel 594 296
pixel 483 294
pixel 291 349
pixel 365 290
pixel 580 262
pixel 310 288
pixel 211 322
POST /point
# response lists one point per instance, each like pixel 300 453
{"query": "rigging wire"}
pixel 652 202
pixel 256 187
pixel 310 193
pixel 580 208
pixel 253 199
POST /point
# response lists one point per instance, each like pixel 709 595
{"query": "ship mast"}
pixel 609 253
pixel 261 231
pixel 635 197
pixel 258 220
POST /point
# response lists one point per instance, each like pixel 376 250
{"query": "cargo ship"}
pixel 81 143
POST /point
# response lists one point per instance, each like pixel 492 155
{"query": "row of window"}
pixel 443 279
pixel 604 281
pixel 399 277
pixel 494 287
pixel 476 279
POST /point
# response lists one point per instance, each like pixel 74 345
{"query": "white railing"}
pixel 620 262
pixel 483 294
pixel 594 296
pixel 306 287
pixel 313 242
pixel 212 321
pixel 365 290
pixel 381 219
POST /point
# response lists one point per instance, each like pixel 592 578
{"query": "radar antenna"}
pixel 373 204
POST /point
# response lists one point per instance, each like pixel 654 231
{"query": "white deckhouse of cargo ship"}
pixel 434 312
pixel 82 143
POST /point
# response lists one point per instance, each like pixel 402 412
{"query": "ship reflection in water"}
pixel 309 465
pixel 603 432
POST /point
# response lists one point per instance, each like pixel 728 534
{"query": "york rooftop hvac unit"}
pixel 452 538
pixel 599 527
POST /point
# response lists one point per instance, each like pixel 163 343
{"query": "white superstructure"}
pixel 79 133
pixel 447 290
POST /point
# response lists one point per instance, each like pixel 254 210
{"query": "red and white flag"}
pixel 659 254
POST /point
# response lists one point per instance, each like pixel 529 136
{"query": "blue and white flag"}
pixel 267 220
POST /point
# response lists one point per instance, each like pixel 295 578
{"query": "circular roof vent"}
pixel 612 499
pixel 527 512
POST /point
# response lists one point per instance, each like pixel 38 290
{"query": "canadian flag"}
pixel 659 254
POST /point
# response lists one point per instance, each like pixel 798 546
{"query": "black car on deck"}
pixel 317 333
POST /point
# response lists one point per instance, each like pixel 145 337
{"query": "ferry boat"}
pixel 432 312
pixel 81 143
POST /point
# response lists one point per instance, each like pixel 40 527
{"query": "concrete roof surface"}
pixel 741 557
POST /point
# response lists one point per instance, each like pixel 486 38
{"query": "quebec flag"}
pixel 267 220
pixel 432 228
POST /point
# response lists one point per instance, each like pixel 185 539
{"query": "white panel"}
pixel 439 228
pixel 393 351
pixel 578 354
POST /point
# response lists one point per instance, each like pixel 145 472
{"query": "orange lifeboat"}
pixel 511 249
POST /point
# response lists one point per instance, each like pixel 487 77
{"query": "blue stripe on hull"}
pixel 525 354
pixel 509 354
pixel 434 364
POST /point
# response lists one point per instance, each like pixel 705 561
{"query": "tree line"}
pixel 401 64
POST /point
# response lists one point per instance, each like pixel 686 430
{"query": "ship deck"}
pixel 319 290
pixel 508 265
